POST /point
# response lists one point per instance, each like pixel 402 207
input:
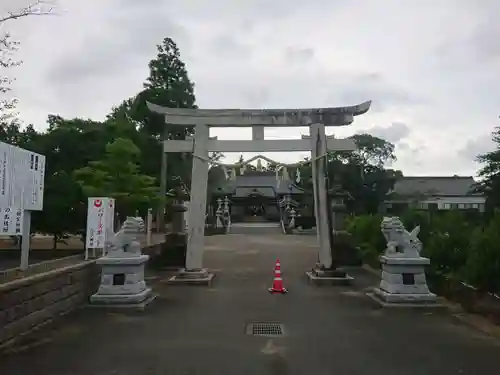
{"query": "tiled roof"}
pixel 264 180
pixel 441 186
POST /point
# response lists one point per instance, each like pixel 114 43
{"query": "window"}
pixel 453 206
pixel 461 206
pixel 447 206
pixel 475 205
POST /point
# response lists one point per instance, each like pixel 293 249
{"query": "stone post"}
pixel 318 139
pixel 194 273
pixel 325 271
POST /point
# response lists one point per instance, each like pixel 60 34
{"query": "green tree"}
pixel 360 173
pixel 373 151
pixel 64 209
pixel 68 145
pixel 168 85
pixel 117 175
pixel 483 264
pixel 489 174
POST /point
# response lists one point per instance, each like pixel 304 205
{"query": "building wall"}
pixel 35 301
pixel 448 203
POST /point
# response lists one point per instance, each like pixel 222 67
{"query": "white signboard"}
pixel 100 221
pixel 33 198
pixel 22 175
pixel 12 221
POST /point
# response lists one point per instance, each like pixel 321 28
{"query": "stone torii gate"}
pixel 317 143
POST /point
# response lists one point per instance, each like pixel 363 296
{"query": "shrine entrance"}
pixel 317 143
pixel 255 211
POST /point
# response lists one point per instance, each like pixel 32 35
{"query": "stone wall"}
pixel 32 302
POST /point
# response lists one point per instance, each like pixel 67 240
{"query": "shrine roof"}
pixel 435 186
pixel 260 180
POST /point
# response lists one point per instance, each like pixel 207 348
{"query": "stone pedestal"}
pixel 403 282
pixel 321 276
pixel 192 277
pixel 122 282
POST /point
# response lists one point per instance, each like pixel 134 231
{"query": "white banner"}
pixel 12 221
pixel 100 221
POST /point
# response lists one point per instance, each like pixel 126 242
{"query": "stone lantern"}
pixel 173 252
pixel 178 208
pixel 338 211
pixel 343 246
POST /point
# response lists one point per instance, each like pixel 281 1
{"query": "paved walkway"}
pixel 198 330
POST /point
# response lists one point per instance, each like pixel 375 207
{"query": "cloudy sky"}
pixel 430 67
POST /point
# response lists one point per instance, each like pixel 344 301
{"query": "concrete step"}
pixel 256 228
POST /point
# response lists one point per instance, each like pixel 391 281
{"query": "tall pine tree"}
pixel 168 85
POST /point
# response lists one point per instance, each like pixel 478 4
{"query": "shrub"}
pixel 412 218
pixel 482 268
pixel 448 243
pixel 366 231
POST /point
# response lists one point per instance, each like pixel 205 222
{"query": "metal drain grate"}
pixel 265 329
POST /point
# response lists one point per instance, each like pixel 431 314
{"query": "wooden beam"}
pixel 334 116
pixel 263 145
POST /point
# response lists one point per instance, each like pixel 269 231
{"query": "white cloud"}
pixel 432 75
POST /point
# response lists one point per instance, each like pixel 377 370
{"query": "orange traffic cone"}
pixel 278 280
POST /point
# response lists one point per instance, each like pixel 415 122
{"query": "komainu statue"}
pixel 400 242
pixel 122 269
pixel 125 241
pixel 403 281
